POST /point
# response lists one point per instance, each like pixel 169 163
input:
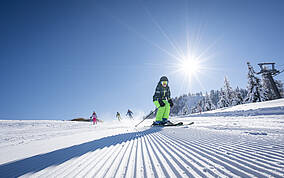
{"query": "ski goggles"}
pixel 164 82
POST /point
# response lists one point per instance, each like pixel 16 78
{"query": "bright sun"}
pixel 189 66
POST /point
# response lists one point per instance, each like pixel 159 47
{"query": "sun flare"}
pixel 189 67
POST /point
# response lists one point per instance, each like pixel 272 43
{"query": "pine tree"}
pixel 223 102
pixel 200 105
pixel 238 98
pixel 214 96
pixel 208 104
pixel 194 109
pixel 174 109
pixel 244 93
pixel 280 87
pixel 255 91
pixel 267 87
pixel 185 110
pixel 229 93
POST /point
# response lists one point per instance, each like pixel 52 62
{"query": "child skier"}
pixel 118 116
pixel 94 116
pixel 162 100
pixel 129 114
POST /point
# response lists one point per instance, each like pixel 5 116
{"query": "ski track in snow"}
pixel 242 141
pixel 159 152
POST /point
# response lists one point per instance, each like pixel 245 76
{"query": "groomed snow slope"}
pixel 215 146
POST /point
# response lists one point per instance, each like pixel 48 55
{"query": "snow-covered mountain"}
pixel 240 141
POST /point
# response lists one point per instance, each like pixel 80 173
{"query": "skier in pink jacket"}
pixel 94 116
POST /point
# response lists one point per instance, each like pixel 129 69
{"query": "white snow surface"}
pixel 241 141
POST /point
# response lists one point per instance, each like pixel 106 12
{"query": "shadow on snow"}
pixel 42 161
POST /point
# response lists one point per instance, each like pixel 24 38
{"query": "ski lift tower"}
pixel 269 70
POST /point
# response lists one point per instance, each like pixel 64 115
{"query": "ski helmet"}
pixel 164 78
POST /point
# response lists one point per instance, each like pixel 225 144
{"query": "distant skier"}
pixel 118 116
pixel 129 114
pixel 94 117
pixel 162 100
pixel 200 109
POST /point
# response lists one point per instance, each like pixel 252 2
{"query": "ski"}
pixel 189 123
pixel 173 124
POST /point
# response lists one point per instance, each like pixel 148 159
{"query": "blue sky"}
pixel 64 59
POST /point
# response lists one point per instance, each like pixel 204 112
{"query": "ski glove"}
pixel 162 104
pixel 171 102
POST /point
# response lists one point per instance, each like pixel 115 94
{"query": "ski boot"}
pixel 158 123
pixel 163 122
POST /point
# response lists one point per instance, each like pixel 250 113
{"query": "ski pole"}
pixel 147 116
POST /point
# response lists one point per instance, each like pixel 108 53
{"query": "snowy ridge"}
pixel 275 107
pixel 250 112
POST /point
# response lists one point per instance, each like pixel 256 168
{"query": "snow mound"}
pixel 274 107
